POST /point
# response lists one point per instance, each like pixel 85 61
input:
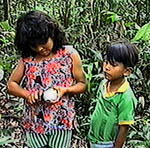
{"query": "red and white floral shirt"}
pixel 57 71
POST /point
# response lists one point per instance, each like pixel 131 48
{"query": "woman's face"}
pixel 44 49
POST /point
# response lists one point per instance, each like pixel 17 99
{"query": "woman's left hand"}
pixel 61 91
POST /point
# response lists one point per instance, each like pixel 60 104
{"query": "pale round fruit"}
pixel 50 95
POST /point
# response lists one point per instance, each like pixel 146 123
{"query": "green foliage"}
pixel 143 33
pixel 6 62
pixel 8 54
pixel 91 25
pixel 1 73
pixel 140 134
pixel 5 140
pixel 6 35
pixel 5 26
pixel 110 17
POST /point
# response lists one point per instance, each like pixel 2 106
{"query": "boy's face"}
pixel 114 71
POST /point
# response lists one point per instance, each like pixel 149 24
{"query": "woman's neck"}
pixel 39 58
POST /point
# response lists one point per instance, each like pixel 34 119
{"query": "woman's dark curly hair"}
pixel 34 28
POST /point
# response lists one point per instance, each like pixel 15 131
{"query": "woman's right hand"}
pixel 34 96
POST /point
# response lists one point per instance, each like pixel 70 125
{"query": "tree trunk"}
pixel 6 9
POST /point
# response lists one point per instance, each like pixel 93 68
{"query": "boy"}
pixel 116 104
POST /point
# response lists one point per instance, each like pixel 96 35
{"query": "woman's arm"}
pixel 14 80
pixel 78 75
pixel 15 89
pixel 123 130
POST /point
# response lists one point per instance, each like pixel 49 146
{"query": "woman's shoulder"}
pixel 70 49
pixel 28 59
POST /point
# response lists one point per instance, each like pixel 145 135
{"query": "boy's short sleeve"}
pixel 126 109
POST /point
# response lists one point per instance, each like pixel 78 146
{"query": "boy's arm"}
pixel 121 137
pixel 126 113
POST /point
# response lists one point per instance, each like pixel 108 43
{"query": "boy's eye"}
pixel 114 64
pixel 106 62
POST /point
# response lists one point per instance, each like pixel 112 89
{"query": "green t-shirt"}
pixel 111 111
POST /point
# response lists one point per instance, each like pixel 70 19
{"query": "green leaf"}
pixel 146 35
pixel 40 8
pixel 142 101
pixel 129 24
pixel 112 16
pixel 5 25
pixel 1 73
pixel 143 33
pixel 4 140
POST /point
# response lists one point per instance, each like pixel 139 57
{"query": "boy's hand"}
pixel 34 96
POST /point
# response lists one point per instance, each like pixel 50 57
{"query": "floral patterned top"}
pixel 57 71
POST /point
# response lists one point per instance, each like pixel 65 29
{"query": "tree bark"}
pixel 6 9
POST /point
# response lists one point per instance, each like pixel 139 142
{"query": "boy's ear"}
pixel 128 71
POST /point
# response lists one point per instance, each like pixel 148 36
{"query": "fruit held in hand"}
pixel 50 95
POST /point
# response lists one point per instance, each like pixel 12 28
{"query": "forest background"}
pixel 90 26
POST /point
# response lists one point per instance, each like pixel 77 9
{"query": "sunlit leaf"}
pixel 1 73
pixel 6 140
pixel 143 33
pixel 142 101
pixel 5 25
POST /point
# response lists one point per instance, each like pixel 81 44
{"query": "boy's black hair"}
pixel 123 52
pixel 34 28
